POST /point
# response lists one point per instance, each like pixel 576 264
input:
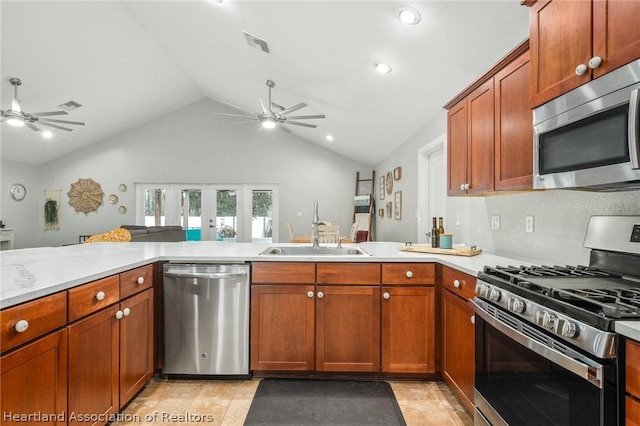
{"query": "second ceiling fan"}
pixel 273 115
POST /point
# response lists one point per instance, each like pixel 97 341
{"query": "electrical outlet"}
pixel 528 224
pixel 457 220
pixel 495 223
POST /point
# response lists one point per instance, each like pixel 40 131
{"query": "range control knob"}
pixel 495 294
pixel 565 328
pixel 516 305
pixel 545 319
pixel 482 290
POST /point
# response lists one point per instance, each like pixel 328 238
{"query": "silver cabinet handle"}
pixel 409 274
pixel 21 326
pixel 595 62
pixel 386 295
pixel 100 295
pixel 320 295
pixel 581 69
pixel 126 312
pixel 119 315
pixel 634 136
pixel 456 283
pixel 140 280
pixel 309 294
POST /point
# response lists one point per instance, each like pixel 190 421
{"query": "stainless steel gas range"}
pixel 546 350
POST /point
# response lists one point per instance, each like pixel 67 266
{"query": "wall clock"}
pixel 17 191
pixel 389 183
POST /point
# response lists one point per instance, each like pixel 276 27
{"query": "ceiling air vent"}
pixel 70 106
pixel 256 42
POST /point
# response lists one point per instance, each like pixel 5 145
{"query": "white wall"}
pixel 190 145
pixel 22 215
pixel 560 216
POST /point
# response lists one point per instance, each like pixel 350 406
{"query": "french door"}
pixel 208 212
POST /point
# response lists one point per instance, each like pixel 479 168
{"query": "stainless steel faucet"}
pixel 315 221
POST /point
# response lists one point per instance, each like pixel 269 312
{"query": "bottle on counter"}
pixel 440 227
pixel 434 234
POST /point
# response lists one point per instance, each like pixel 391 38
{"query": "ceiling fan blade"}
pixel 284 128
pixel 232 115
pixel 300 123
pixel 236 107
pixel 242 122
pixel 46 114
pixel 51 120
pixel 31 126
pixel 276 106
pixel 293 108
pixel 306 117
pixel 56 126
pixel 263 104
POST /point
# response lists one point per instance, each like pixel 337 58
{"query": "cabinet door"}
pixel 348 328
pixel 34 380
pixel 560 40
pixel 94 366
pixel 458 347
pixel 457 148
pixel 282 327
pixel 616 34
pixel 480 143
pixel 408 329
pixel 513 129
pixel 136 344
pixel 632 411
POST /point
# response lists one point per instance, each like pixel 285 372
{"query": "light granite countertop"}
pixel 28 274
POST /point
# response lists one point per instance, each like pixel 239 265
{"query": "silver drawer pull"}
pixel 140 280
pixel 409 274
pixel 21 326
pixel 100 295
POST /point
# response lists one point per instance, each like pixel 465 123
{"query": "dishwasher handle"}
pixel 207 275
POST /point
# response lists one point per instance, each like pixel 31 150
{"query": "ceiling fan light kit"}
pixel 15 116
pixel 274 115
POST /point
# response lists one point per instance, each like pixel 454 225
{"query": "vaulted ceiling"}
pixel 131 61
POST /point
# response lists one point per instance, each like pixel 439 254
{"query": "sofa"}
pixel 155 233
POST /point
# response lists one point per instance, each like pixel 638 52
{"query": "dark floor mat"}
pixel 323 402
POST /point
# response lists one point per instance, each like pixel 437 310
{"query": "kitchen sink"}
pixel 311 251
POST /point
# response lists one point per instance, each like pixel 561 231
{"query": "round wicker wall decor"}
pixel 85 195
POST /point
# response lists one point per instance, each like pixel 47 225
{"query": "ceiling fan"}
pixel 273 115
pixel 15 116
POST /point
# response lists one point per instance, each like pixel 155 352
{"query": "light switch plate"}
pixel 528 224
pixel 495 223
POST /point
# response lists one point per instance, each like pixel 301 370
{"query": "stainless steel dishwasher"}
pixel 206 319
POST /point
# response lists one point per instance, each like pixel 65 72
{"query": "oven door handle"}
pixel 585 368
pixel 634 137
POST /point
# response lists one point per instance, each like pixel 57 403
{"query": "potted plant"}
pixel 51 214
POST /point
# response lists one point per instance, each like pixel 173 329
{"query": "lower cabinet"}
pixel 458 346
pixel 34 381
pixel 110 358
pixel 408 329
pixel 632 387
pixel 348 328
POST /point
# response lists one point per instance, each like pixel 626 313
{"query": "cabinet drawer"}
pixel 458 282
pixel 348 273
pixel 94 296
pixel 136 280
pixel 632 367
pixel 41 316
pixel 283 273
pixel 408 273
pixel 632 408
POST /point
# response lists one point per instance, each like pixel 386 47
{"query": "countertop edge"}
pixel 630 329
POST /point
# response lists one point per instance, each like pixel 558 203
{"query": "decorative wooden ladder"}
pixel 363 206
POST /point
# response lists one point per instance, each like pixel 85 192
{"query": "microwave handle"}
pixel 634 138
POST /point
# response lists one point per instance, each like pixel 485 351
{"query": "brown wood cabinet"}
pixel 490 130
pixel 632 371
pixel 458 338
pixel 567 34
pixel 34 381
pixel 283 327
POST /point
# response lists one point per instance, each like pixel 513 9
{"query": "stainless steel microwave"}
pixel 589 137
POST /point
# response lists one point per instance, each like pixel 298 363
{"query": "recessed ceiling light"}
pixel 329 138
pixel 15 122
pixel 47 134
pixel 382 68
pixel 268 123
pixel 409 15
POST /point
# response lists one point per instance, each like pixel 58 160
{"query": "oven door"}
pixel 525 377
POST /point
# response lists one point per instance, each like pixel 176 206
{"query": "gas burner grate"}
pixel 610 302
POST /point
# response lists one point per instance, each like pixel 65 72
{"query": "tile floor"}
pixel 226 402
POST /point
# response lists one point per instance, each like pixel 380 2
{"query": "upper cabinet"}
pixel 490 133
pixel 573 42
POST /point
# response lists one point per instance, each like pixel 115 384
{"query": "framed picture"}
pixel 397 173
pixel 382 187
pixel 389 203
pixel 398 204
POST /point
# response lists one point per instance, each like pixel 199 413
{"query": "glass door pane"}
pixel 191 213
pixel 154 207
pixel 262 216
pixel 226 218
